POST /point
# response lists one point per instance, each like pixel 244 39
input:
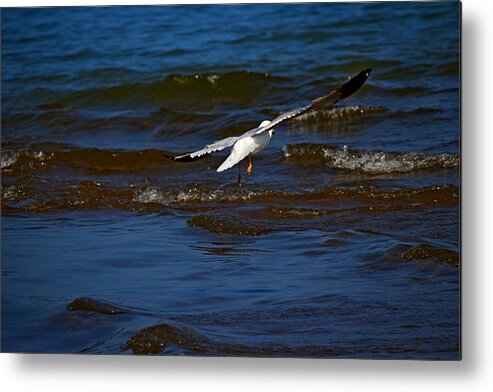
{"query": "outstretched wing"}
pixel 346 90
pixel 343 92
pixel 204 152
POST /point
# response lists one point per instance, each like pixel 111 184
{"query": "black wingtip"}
pixel 184 157
pixel 354 84
pixel 366 73
pixel 363 75
pixel 169 156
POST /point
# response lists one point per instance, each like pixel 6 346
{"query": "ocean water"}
pixel 344 241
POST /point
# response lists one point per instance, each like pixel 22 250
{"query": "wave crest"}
pixel 340 113
pixel 369 162
pixel 192 89
pixel 201 195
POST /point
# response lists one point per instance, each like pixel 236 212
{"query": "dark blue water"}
pixel 344 242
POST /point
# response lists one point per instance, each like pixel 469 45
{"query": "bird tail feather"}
pixel 233 158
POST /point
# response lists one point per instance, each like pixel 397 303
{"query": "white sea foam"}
pixel 371 162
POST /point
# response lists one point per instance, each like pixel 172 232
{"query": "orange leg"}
pixel 250 166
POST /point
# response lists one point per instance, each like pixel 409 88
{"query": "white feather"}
pixel 240 150
pixel 245 146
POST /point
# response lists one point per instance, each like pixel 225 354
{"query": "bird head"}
pixel 264 124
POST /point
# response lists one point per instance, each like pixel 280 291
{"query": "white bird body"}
pixel 247 145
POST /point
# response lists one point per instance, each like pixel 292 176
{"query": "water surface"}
pixel 344 242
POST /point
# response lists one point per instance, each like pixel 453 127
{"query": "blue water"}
pixel 343 243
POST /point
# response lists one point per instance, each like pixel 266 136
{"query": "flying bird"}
pixel 255 140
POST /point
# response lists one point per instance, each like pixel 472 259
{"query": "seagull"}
pixel 257 139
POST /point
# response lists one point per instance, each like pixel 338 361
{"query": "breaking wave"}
pixel 369 162
pixel 203 195
pixel 340 114
pixel 43 156
pixel 39 195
